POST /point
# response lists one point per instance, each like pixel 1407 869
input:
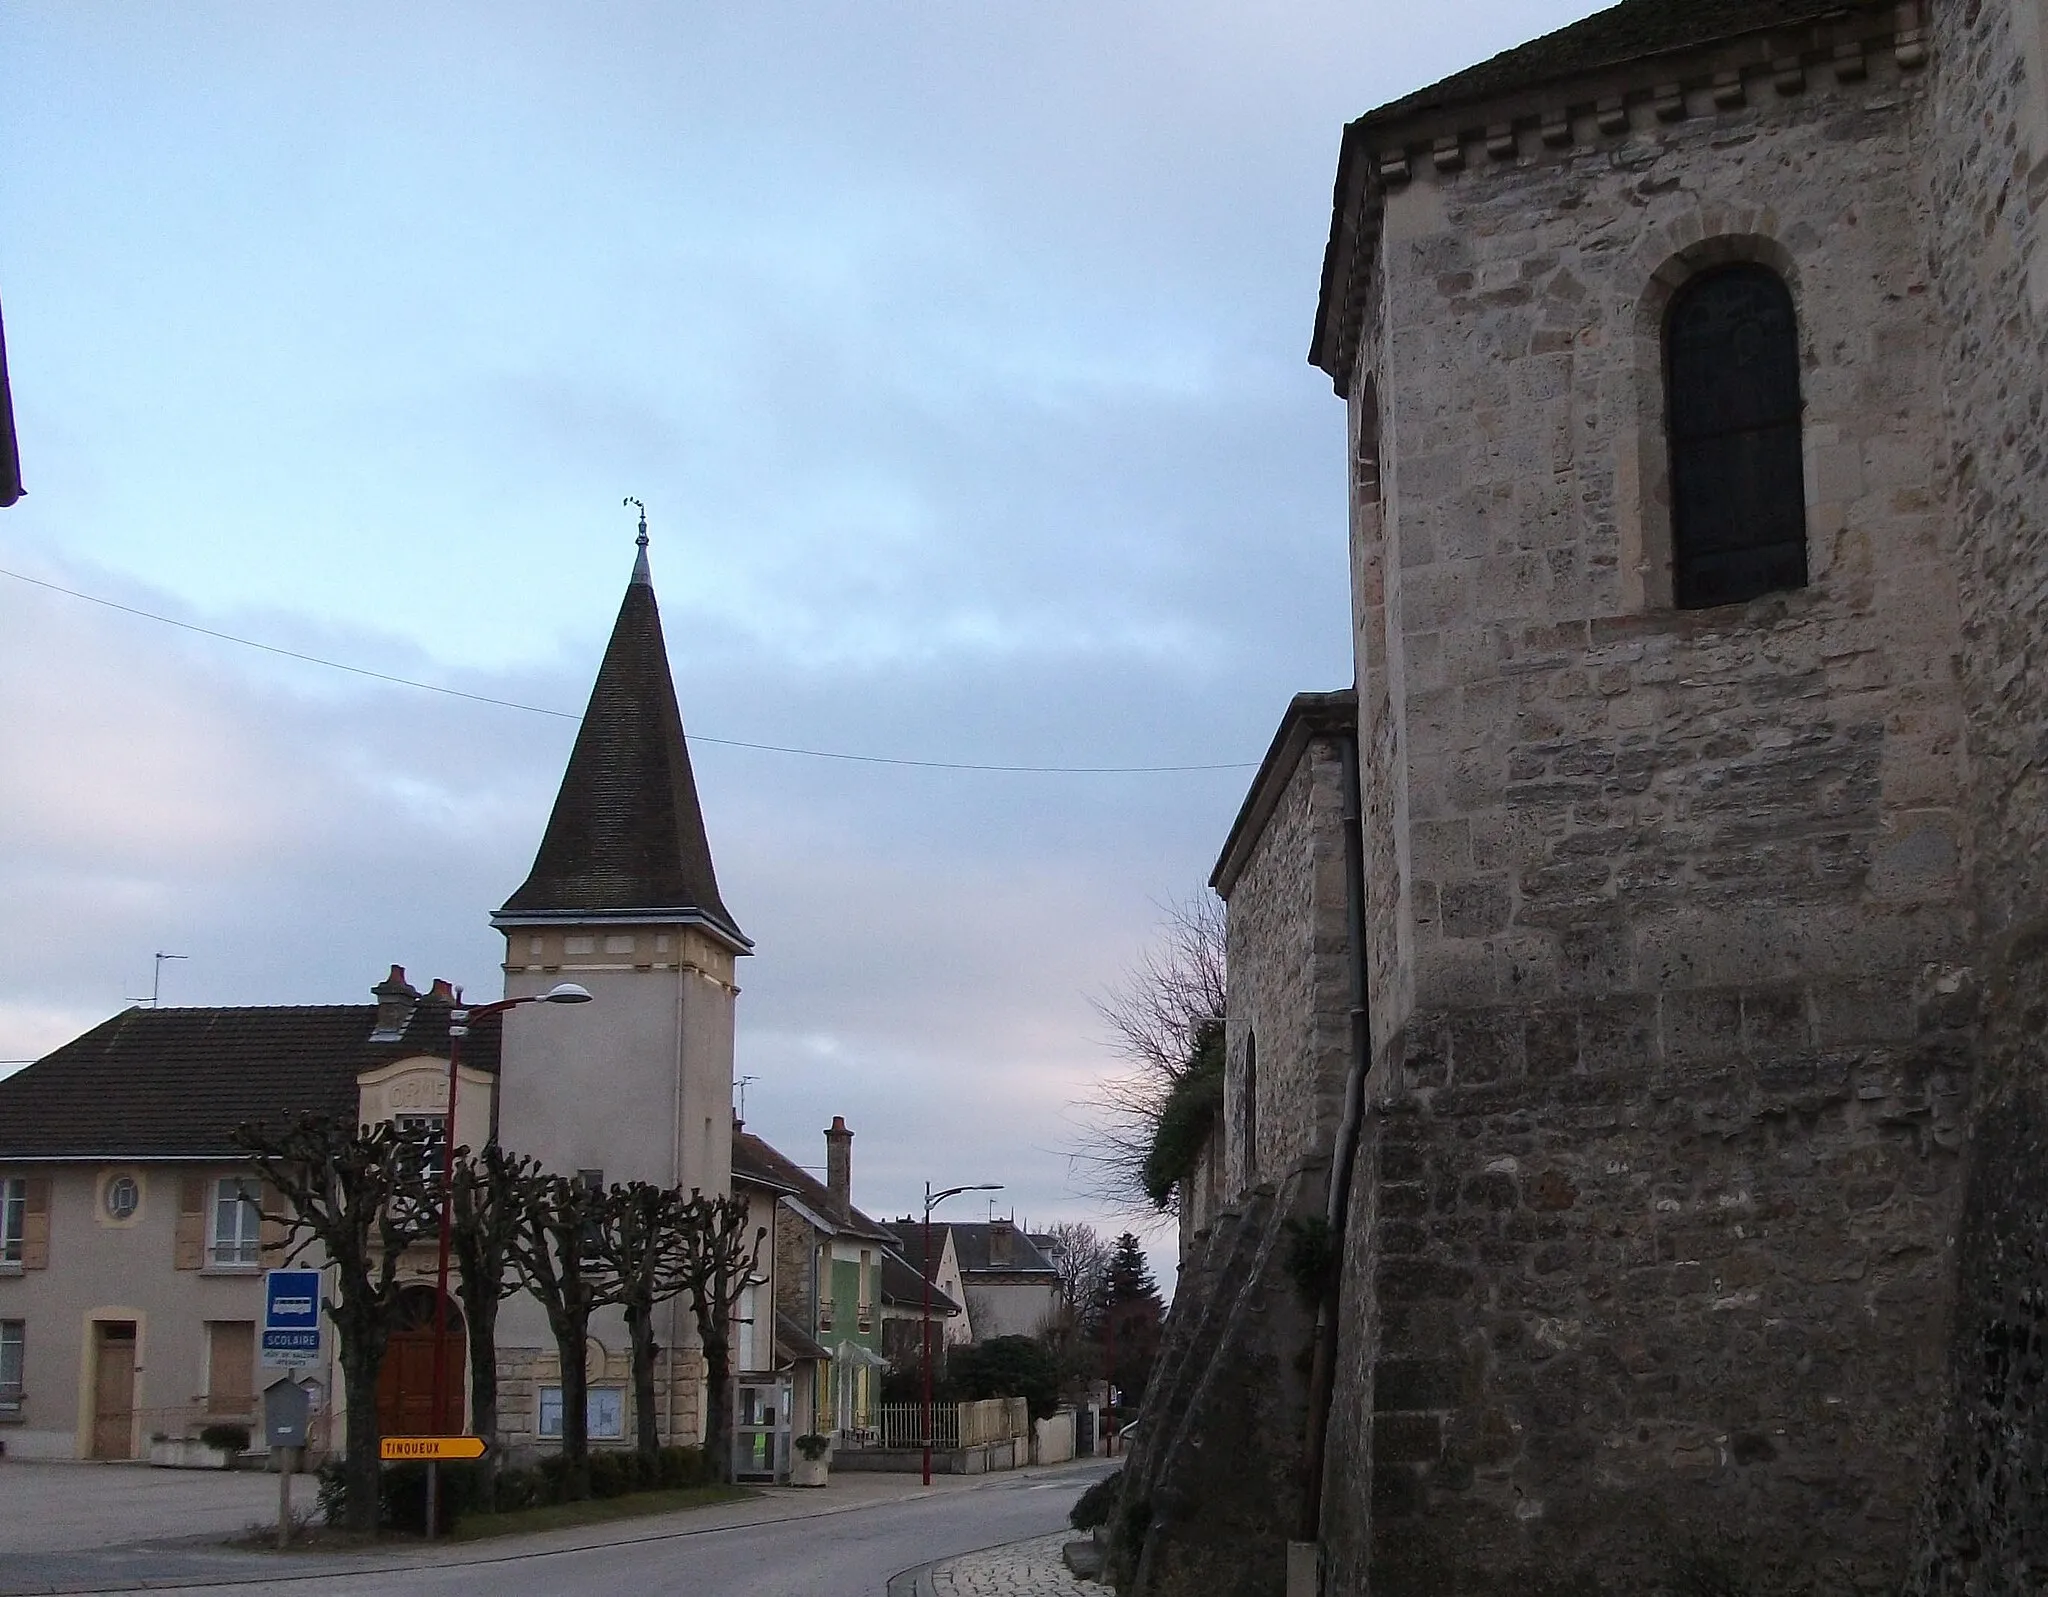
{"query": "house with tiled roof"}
pixel 1007 1284
pixel 128 1219
pixel 828 1271
pixel 910 1303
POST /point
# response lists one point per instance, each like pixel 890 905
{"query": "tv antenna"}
pixel 740 1086
pixel 156 980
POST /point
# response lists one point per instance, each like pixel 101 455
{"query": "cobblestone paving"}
pixel 1022 1569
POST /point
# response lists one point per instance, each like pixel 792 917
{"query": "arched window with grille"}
pixel 1249 1114
pixel 1738 496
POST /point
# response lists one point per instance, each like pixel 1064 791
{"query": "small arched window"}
pixel 1251 1109
pixel 1738 496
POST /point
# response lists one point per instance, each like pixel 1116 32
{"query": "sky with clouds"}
pixel 958 353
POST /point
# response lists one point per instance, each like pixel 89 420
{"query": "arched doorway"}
pixel 405 1385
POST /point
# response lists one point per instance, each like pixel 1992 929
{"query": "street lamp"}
pixel 567 992
pixel 931 1201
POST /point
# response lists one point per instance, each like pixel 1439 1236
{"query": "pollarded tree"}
pixel 558 1219
pixel 640 1249
pixel 485 1210
pixel 717 1263
pixel 358 1195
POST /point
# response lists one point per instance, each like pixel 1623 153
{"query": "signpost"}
pixel 431 1449
pixel 291 1317
pixel 286 1411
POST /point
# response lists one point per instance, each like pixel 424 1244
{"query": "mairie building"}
pixel 132 1244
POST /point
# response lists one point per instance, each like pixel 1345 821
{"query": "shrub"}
pixel 404 1496
pixel 521 1488
pixel 814 1446
pixel 1008 1366
pixel 229 1438
pixel 332 1491
pixel 1186 1119
pixel 1311 1258
pixel 1094 1506
pixel 683 1467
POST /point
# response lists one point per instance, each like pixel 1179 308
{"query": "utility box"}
pixel 286 1412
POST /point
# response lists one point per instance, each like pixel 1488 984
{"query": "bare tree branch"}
pixel 639 1254
pixel 558 1218
pixel 717 1263
pixel 355 1199
pixel 1157 1013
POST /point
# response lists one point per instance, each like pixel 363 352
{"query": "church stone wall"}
pixel 1663 1160
pixel 1288 980
pixel 1986 1524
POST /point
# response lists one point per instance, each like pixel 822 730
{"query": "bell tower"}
pixel 622 898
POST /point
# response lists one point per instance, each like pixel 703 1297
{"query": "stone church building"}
pixel 1635 1166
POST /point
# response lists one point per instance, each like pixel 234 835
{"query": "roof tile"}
pixel 627 832
pixel 173 1083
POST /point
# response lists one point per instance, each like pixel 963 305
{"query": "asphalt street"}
pixel 842 1554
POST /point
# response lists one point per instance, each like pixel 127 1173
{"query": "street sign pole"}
pixel 288 1461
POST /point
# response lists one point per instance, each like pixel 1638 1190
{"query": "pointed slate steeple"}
pixel 626 840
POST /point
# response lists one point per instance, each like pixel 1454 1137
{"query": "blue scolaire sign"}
pixel 291 1313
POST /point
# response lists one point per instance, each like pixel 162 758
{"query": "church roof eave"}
pixel 1627 36
pixel 672 915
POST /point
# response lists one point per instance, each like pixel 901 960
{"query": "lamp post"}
pixel 459 1017
pixel 931 1201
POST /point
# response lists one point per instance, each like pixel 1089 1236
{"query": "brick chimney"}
pixel 839 1165
pixel 396 998
pixel 1001 1244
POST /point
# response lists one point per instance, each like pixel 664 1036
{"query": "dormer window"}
pixel 1738 494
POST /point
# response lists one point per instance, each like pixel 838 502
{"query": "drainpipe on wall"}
pixel 1323 1360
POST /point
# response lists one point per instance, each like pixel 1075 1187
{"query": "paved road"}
pixel 49 1508
pixel 849 1553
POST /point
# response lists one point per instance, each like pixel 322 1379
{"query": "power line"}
pixel 566 715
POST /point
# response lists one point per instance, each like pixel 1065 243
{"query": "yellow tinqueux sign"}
pixel 437 1447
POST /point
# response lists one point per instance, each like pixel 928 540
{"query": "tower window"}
pixel 1738 497
pixel 1250 1112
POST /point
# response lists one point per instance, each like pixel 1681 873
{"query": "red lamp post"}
pixel 931 1201
pixel 567 992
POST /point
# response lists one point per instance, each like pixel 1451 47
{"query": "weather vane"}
pixel 630 500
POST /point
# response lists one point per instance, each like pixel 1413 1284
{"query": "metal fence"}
pixel 954 1425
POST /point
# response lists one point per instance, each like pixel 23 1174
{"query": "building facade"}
pixel 132 1243
pixel 1682 859
pixel 623 900
pixel 828 1281
pixel 130 1259
pixel 1006 1285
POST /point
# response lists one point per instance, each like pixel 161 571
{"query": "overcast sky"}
pixel 958 353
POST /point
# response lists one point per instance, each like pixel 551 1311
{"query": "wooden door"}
pixel 405 1385
pixel 113 1397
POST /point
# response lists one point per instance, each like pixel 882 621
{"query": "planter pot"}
pixel 186 1453
pixel 809 1471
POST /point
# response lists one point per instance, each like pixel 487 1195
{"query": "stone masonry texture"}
pixel 1985 1520
pixel 1698 1236
pixel 1289 995
pixel 1675 1052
